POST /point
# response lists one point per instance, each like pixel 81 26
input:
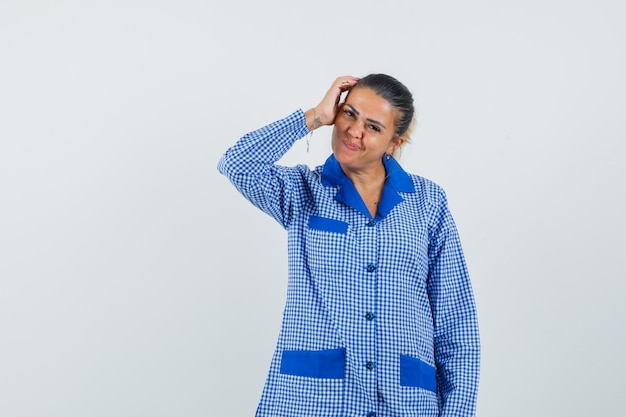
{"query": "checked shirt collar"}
pixel 397 181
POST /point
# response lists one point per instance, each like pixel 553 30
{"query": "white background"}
pixel 135 281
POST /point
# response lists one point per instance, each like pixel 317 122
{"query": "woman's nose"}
pixel 355 130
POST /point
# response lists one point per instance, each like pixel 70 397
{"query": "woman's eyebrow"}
pixel 355 111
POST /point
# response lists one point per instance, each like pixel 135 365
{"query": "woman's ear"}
pixel 395 143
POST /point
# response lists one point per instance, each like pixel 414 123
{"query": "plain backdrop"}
pixel 136 281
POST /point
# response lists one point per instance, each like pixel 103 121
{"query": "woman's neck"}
pixel 366 179
pixel 369 184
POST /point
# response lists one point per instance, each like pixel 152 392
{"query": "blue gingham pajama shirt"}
pixel 380 318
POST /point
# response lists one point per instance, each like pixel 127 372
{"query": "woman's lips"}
pixel 351 146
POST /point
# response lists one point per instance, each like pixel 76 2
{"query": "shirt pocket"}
pixel 328 225
pixel 329 249
pixel 311 383
pixel 327 363
pixel 299 396
pixel 415 372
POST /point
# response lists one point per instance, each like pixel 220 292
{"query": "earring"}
pixel 388 156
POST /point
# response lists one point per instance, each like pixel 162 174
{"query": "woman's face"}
pixel 364 130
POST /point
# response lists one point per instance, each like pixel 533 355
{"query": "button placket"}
pixel 367 353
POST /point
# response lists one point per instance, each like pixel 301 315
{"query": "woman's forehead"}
pixel 366 101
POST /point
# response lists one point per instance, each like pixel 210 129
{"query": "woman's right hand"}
pixel 324 113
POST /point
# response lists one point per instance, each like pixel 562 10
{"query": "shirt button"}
pixel 371 268
pixel 371 223
pixel 369 316
pixel 370 365
pixel 371 414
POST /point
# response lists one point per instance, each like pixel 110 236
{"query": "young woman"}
pixel 380 318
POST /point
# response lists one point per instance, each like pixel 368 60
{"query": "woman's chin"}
pixel 344 157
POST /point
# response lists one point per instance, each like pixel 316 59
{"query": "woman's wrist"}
pixel 313 120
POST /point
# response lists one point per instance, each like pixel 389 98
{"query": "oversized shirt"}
pixel 379 318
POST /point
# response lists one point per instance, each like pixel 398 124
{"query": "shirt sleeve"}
pixel 457 344
pixel 250 165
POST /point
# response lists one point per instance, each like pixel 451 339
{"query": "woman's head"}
pixel 396 94
pixel 375 119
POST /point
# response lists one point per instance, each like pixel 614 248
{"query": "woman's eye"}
pixel 374 128
pixel 349 113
